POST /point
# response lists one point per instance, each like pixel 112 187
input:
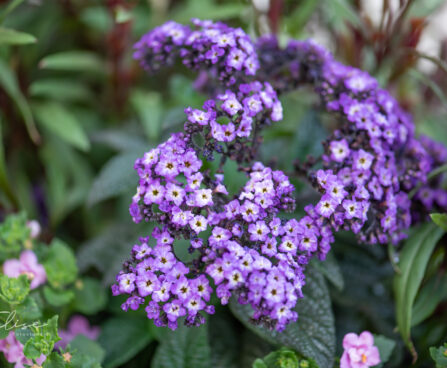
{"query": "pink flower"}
pixel 360 351
pixel 28 265
pixel 78 325
pixel 13 351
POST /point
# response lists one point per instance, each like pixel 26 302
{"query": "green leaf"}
pixel 439 355
pixel 440 219
pixel 88 347
pixel 60 121
pixel 413 262
pixel 9 83
pixel 60 89
pixel 206 9
pixel 331 270
pixel 29 309
pixel 123 338
pixel 13 234
pixel 5 186
pixel 107 250
pixel 60 264
pixel 121 140
pixel 117 176
pixel 313 335
pixel 429 297
pixel 224 339
pixel 9 8
pixel 23 335
pixel 11 37
pixel 76 61
pixel 183 348
pixel 14 290
pixel 90 296
pixel 385 346
pixel 57 298
pixel 284 358
pixel 54 360
pixel 122 15
pixel 149 108
pixel 437 90
pixel 45 336
pixel 301 15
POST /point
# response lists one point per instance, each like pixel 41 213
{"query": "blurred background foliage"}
pixel 76 111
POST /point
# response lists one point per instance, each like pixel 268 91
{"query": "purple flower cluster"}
pixel 158 275
pixel 241 247
pixel 373 160
pixel 212 46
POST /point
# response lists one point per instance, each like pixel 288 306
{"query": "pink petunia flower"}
pixel 13 351
pixel 360 351
pixel 78 325
pixel 28 265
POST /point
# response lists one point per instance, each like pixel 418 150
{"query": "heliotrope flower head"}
pixel 240 244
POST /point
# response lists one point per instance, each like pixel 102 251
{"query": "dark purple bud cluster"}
pixel 240 244
pixel 223 51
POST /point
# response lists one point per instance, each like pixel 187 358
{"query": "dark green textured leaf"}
pixel 413 262
pixel 60 121
pixel 313 335
pixel 123 338
pixel 60 264
pixel 116 177
pixel 12 37
pixel 331 270
pixel 224 340
pixel 183 348
pixel 440 219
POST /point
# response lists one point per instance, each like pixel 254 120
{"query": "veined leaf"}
pixel 60 121
pixel 313 335
pixel 12 37
pixel 184 348
pixel 413 262
pixel 116 177
pixel 122 339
